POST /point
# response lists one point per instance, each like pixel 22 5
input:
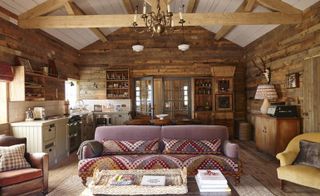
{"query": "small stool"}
pixel 244 131
pixel 103 120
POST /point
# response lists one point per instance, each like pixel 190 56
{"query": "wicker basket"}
pixel 176 182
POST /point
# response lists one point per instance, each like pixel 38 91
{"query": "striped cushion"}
pixel 130 147
pixel 12 157
pixel 174 146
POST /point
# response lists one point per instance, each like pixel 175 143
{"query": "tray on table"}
pixel 176 182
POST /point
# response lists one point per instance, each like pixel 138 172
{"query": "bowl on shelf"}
pixel 161 116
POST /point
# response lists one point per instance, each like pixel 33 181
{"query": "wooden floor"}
pixel 257 164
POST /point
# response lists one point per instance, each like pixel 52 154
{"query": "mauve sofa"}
pixel 227 161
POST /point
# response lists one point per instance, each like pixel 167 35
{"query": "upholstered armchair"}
pixel 28 180
pixel 299 174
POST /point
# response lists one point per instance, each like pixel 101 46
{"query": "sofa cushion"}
pixel 20 175
pixel 130 147
pixel 12 157
pixel 157 161
pixel 309 154
pixel 181 146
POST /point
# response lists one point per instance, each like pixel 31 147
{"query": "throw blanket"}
pixel 95 147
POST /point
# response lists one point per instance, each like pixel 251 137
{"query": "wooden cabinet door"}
pixel 270 135
pixel 259 133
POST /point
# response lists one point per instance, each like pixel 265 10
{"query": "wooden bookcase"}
pixel 203 99
pixel 118 84
pixel 29 86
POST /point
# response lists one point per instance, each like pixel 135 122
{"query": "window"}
pixel 3 102
pixel 71 88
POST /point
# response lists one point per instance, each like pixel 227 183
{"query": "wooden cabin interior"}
pixel 74 70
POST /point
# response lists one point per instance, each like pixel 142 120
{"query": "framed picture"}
pixel 223 85
pixel 223 102
pixel 293 80
pixel 26 63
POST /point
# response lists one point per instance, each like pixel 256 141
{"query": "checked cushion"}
pixel 130 147
pixel 175 146
pixel 12 157
pixel 159 161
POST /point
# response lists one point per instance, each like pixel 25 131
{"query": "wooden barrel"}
pixel 244 131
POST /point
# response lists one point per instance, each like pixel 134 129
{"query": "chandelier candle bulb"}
pixel 144 8
pixel 180 15
pixel 135 18
pixel 168 8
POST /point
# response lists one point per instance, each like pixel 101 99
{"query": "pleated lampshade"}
pixel 266 91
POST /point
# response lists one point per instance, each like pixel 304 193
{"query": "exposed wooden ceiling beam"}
pixel 246 6
pixel 8 16
pixel 43 8
pixel 130 9
pixel 73 9
pixel 192 6
pixel 192 19
pixel 280 6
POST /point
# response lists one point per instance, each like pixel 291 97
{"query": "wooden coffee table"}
pixel 194 190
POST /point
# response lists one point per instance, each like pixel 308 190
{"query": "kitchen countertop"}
pixel 38 122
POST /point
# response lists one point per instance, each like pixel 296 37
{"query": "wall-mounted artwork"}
pixel 223 102
pixel 293 80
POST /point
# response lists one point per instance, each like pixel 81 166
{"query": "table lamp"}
pixel 265 92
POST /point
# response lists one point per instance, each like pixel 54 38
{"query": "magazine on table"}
pixel 122 180
pixel 150 180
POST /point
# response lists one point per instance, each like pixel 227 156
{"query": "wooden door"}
pixel 270 125
pixel 311 95
pixel 259 133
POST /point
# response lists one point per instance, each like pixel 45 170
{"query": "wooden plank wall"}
pixel 160 58
pixel 284 50
pixel 35 45
pixel 4 129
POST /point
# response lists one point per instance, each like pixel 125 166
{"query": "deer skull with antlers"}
pixel 265 71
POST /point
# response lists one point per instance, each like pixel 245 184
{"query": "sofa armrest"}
pixel 89 149
pixel 40 161
pixel 286 157
pixel 231 150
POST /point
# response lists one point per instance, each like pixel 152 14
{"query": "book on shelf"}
pixel 149 180
pixel 122 180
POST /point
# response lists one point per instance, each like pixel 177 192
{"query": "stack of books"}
pixel 212 181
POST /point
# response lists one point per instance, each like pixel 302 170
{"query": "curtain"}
pixel 6 72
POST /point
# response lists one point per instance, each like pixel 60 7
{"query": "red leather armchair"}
pixel 28 180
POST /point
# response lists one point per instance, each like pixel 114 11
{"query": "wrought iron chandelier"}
pixel 156 22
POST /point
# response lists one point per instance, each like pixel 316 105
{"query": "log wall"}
pixel 285 50
pixel 160 58
pixel 35 45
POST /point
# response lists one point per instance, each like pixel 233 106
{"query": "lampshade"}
pixel 183 47
pixel 266 91
pixel 137 47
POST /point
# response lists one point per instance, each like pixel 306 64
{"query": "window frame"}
pixel 4 117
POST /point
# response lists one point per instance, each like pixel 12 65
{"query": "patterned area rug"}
pixel 72 186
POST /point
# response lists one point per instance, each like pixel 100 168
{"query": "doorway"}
pixel 177 98
pixel 144 96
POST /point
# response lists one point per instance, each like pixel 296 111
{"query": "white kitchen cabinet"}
pixel 48 136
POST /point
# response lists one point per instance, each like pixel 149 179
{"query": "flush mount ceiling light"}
pixel 137 47
pixel 183 47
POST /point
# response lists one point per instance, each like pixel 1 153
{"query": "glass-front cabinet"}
pixel 177 98
pixel 144 96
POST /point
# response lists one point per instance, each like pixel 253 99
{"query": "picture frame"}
pixel 26 63
pixel 223 85
pixel 223 102
pixel 293 80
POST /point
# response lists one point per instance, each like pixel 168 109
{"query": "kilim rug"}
pixel 72 186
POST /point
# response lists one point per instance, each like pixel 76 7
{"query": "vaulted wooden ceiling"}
pixel 240 34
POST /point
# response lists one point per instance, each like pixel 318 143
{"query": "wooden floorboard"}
pixel 259 165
